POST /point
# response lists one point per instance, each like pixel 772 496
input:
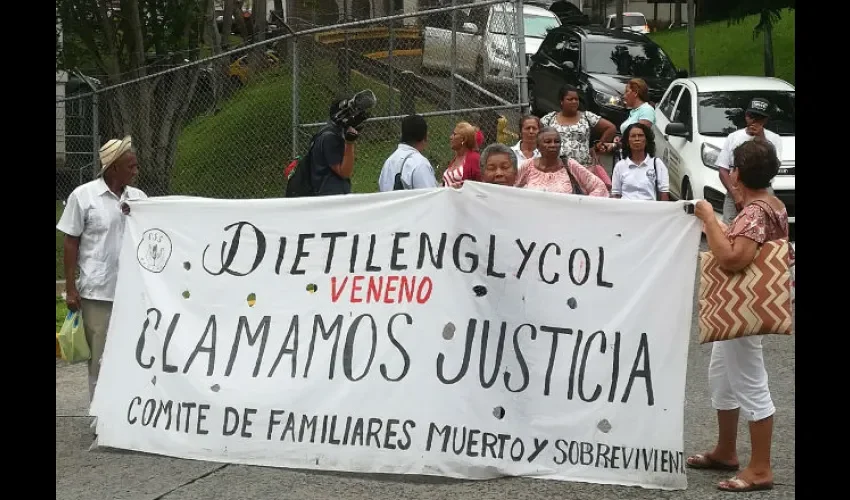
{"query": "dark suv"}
pixel 598 62
pixel 567 12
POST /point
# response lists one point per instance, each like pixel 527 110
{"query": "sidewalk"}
pixel 115 474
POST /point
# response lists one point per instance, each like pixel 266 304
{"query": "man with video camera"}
pixel 329 164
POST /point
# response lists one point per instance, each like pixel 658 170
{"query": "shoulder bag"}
pixel 753 301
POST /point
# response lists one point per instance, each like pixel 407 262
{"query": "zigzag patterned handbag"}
pixel 753 301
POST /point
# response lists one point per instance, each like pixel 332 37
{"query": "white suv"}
pixel 485 41
pixel 632 21
pixel 693 119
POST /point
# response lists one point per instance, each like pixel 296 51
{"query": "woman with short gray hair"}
pixel 550 172
pixel 498 165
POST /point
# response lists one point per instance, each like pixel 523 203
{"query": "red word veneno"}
pixel 387 289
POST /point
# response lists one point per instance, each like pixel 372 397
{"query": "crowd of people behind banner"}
pixel 554 154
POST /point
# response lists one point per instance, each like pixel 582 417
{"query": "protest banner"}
pixel 471 333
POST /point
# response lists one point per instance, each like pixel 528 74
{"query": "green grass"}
pixel 241 151
pixel 731 50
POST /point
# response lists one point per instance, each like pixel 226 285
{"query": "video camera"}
pixel 354 111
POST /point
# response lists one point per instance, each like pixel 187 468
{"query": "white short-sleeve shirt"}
pixel 725 158
pixel 93 213
pixel 638 181
pixel 416 170
pixel 520 156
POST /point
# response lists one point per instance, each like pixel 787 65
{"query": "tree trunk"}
pixel 618 18
pixel 227 22
pixel 157 124
pixel 260 17
pixel 769 70
pixel 238 16
pixel 152 110
pixel 692 51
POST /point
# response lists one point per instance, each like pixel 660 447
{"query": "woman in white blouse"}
pixel 640 175
pixel 526 148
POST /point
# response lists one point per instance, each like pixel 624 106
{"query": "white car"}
pixel 488 54
pixel 693 119
pixel 632 21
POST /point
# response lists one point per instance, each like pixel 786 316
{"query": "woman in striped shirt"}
pixel 465 164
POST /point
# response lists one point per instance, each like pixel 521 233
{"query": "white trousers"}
pixel 738 378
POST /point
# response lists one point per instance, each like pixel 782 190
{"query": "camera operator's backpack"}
pixel 300 179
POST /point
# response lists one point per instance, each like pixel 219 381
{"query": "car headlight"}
pixel 609 100
pixel 709 155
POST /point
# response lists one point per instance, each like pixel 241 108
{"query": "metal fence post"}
pixel 295 104
pixel 95 136
pixel 390 63
pixel 454 56
pixel 520 42
pixel 347 52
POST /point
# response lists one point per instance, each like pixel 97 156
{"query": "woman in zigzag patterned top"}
pixel 736 373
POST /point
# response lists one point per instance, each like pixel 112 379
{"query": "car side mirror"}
pixel 569 65
pixel 470 28
pixel 677 129
pixel 682 73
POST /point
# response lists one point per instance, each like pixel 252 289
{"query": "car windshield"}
pixel 502 23
pixel 721 113
pixel 643 60
pixel 629 21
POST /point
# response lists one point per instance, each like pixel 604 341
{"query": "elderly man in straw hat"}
pixel 93 223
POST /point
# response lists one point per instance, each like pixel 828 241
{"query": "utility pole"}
pixel 618 19
pixel 692 53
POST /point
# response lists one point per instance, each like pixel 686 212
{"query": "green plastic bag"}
pixel 72 339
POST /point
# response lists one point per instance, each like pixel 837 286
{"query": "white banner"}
pixel 470 333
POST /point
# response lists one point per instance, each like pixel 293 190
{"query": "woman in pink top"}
pixel 549 173
pixel 736 374
pixel 464 165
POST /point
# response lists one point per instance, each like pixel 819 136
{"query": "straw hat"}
pixel 113 150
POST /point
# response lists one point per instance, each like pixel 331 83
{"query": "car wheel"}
pixel 687 192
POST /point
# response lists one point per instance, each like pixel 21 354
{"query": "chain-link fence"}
pixel 228 125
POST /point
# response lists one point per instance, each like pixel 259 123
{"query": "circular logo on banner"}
pixel 154 250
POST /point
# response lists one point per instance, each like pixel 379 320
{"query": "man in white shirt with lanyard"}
pixel 93 223
pixel 407 160
pixel 756 117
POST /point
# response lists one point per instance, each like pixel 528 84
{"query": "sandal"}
pixel 704 461
pixel 737 484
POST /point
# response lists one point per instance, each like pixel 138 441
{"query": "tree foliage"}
pixel 769 12
pixel 128 40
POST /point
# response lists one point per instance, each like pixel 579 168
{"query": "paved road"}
pixel 110 474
